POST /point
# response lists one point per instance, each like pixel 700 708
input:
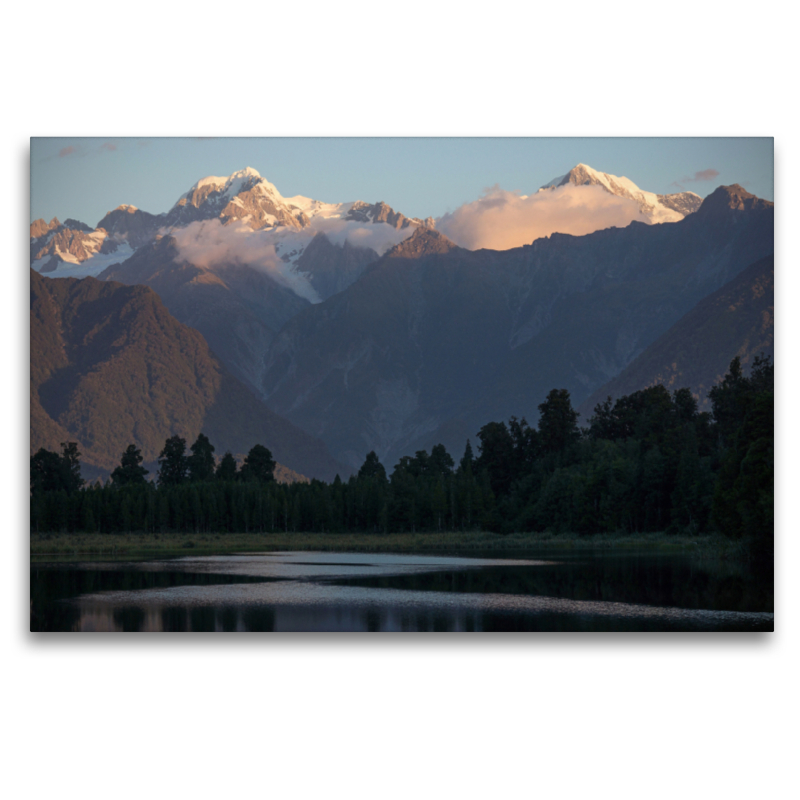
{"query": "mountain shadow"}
pixel 110 366
pixel 736 320
pixel 433 341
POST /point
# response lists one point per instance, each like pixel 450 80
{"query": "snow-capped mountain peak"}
pixel 654 207
pixel 216 188
pixel 244 196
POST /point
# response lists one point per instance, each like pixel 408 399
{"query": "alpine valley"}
pixel 326 330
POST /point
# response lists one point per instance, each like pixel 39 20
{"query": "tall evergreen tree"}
pixel 46 472
pixel 526 444
pixel 51 472
pixel 467 460
pixel 130 472
pixel 71 460
pixel 201 462
pixel 440 463
pixel 258 466
pixel 744 491
pixel 172 462
pixel 496 456
pixel 731 399
pixel 372 468
pixel 558 422
pixel 226 470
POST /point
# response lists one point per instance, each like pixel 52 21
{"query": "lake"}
pixel 316 591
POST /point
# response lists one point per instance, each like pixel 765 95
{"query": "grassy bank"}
pixel 141 545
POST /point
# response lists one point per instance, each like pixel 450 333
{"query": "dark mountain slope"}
pixel 434 341
pixel 111 366
pixel 352 368
pixel 237 309
pixel 736 320
pixel 131 224
pixel 332 268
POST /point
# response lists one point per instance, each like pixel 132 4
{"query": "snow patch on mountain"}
pixel 655 208
pixel 65 265
pixel 208 244
pixel 231 184
pixel 317 209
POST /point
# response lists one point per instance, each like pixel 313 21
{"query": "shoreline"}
pixel 141 545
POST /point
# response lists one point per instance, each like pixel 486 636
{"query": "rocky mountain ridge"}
pixel 654 207
pixel 112 367
pixel 434 341
pixel 736 320
pixel 237 309
pixel 243 198
pixel 414 340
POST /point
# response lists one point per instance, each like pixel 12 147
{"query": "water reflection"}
pixel 349 592
pixel 645 580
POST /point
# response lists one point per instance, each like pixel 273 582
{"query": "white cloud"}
pixel 379 236
pixel 210 244
pixel 500 220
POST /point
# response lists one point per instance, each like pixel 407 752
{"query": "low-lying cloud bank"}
pixel 210 244
pixel 500 220
pixel 379 236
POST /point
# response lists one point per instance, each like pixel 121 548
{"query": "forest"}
pixel 648 461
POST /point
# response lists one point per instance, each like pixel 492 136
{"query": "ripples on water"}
pixel 358 592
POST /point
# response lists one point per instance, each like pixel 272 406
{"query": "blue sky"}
pixel 83 178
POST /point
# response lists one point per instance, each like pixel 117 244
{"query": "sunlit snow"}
pixel 70 267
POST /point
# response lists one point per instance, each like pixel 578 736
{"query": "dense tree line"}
pixel 649 461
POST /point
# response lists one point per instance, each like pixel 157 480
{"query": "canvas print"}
pixel 397 384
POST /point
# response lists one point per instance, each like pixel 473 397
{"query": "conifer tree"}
pixel 130 472
pixel 226 470
pixel 467 460
pixel 440 463
pixel 372 468
pixel 46 472
pixel 201 461
pixel 558 423
pixel 71 465
pixel 172 462
pixel 496 456
pixel 258 466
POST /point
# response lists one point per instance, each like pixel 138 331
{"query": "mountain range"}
pixel 110 367
pixel 434 341
pixel 74 249
pixel 737 320
pixel 244 198
pixel 655 207
pixel 369 330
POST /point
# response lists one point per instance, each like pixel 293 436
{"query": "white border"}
pixel 652 716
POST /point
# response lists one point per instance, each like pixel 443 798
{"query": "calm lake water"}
pixel 303 591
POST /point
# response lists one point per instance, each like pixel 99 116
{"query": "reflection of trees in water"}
pixel 51 585
pixel 419 621
pixel 258 619
pixel 664 581
pixel 228 618
pixel 202 618
pixel 129 618
pixel 174 618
